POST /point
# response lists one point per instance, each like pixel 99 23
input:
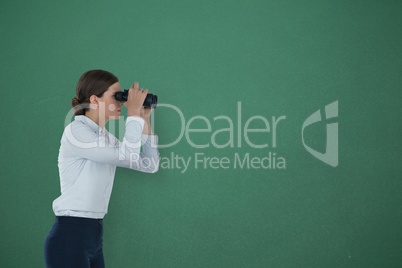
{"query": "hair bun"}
pixel 75 101
pixel 77 106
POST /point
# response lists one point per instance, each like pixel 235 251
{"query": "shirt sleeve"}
pixel 107 149
pixel 149 156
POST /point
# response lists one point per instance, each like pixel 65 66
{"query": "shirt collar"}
pixel 90 123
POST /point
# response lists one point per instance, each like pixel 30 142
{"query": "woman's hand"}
pixel 145 113
pixel 136 98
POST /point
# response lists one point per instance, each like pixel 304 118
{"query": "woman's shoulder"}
pixel 77 131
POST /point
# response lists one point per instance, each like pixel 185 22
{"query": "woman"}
pixel 88 158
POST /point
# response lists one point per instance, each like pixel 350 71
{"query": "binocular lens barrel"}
pixel 150 101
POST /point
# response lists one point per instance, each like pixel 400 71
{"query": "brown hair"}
pixel 93 82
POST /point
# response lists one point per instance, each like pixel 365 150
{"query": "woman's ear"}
pixel 93 100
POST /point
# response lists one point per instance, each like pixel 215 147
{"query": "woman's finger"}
pixel 135 85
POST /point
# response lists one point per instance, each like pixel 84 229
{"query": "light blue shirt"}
pixel 87 163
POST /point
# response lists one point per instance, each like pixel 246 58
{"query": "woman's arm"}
pixel 145 114
pixel 83 142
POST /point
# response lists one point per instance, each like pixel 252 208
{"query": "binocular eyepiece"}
pixel 150 101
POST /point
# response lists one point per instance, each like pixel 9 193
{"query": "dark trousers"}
pixel 75 242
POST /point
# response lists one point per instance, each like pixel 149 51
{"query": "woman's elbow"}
pixel 151 166
pixel 155 168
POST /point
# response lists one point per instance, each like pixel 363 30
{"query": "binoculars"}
pixel 150 101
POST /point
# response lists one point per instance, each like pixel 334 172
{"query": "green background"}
pixel 277 58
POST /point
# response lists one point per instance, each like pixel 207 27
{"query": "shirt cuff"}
pixel 135 118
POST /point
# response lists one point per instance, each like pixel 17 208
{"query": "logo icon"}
pixel 330 156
